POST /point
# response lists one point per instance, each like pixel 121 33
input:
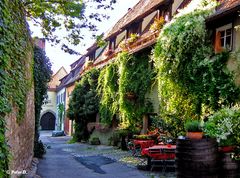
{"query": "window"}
pixel 135 28
pixel 92 56
pixel 64 97
pixel 224 36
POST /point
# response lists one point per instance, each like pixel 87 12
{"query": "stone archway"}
pixel 47 121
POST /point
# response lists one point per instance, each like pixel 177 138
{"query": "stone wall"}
pixel 19 87
pixel 21 137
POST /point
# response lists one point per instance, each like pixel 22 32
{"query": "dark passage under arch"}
pixel 48 121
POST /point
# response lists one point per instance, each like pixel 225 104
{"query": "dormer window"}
pixel 223 38
pixel 135 28
pixel 92 56
pixel 112 44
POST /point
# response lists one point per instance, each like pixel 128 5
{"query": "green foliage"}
pixel 108 92
pixel 114 139
pixel 4 156
pixel 121 93
pixel 61 110
pixel 72 140
pixel 192 80
pixel 224 125
pixel 100 41
pixel 135 78
pixel 133 37
pixel 42 75
pixel 171 125
pixel 51 16
pixel 39 149
pixel 94 141
pixel 193 126
pixel 84 103
pixel 15 64
pixel 144 137
pixel 15 48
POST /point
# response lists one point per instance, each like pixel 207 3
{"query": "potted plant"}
pixel 133 38
pixel 125 44
pixel 194 129
pixel 224 126
pixel 88 63
pixel 157 24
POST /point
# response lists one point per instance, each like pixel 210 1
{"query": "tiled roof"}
pixel 73 74
pixel 141 8
pixel 225 7
pixel 184 4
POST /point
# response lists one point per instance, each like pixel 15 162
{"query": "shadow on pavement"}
pixel 95 162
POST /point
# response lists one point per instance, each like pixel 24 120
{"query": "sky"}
pixel 59 58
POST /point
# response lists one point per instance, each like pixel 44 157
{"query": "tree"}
pixel 42 75
pixel 84 104
pixel 70 15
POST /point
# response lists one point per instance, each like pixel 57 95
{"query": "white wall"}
pixel 50 102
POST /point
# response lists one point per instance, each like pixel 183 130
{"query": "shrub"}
pixel 224 125
pixel 95 141
pixel 39 149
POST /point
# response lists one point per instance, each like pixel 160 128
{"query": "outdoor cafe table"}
pixel 143 143
pixel 145 152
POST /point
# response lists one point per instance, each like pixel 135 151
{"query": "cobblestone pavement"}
pixel 81 160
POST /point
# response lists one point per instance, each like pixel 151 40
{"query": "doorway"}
pixel 48 121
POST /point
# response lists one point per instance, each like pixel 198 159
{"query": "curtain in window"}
pixel 218 45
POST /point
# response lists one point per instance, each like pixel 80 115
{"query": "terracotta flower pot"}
pixel 194 135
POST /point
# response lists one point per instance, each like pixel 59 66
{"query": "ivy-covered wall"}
pixel 193 81
pixel 16 89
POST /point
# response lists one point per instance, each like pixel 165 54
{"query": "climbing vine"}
pixel 15 53
pixel 120 92
pixel 193 81
pixel 108 92
pixel 135 78
pixel 122 87
pixel 84 104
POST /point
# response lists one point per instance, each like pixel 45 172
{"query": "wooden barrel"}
pixel 229 168
pixel 197 158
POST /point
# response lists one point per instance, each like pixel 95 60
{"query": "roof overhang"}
pixel 220 14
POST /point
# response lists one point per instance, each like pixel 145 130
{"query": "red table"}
pixel 143 143
pixel 145 151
